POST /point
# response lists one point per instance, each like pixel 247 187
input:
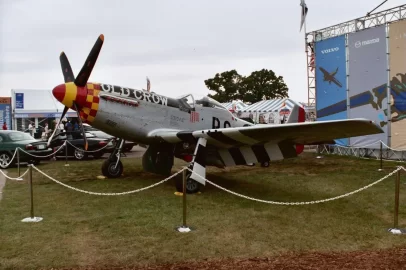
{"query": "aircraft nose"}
pixel 59 92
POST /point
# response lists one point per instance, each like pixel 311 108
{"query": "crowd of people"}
pixel 64 126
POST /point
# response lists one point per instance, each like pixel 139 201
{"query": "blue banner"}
pixel 19 100
pixel 331 83
pixel 5 115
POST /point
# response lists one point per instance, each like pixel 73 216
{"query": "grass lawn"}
pixel 138 229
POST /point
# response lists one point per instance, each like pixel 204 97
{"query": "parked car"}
pixel 75 138
pixel 11 139
pixel 101 134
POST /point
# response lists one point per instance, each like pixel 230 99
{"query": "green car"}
pixel 11 139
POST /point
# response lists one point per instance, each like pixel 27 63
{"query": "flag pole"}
pixel 307 59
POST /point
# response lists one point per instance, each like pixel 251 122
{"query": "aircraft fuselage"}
pixel 133 114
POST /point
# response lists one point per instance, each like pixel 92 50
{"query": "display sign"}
pixel 19 100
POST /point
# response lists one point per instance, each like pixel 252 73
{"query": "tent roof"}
pixel 229 105
pixel 271 105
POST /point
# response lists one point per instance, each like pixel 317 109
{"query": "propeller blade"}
pixel 66 68
pixel 57 126
pixel 81 125
pixel 87 68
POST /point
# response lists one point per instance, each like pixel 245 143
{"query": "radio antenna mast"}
pixel 369 13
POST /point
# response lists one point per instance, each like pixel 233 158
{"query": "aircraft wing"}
pixel 333 79
pixel 293 133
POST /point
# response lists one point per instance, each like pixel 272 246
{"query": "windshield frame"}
pixel 207 102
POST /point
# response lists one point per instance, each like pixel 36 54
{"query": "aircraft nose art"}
pixel 86 98
pixel 59 92
pixel 68 93
pixel 91 103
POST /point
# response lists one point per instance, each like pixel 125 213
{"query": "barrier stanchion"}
pixel 318 151
pixel 18 164
pixel 397 186
pixel 395 229
pixel 32 218
pixel 184 227
pixel 66 154
pixel 380 152
pixel 18 161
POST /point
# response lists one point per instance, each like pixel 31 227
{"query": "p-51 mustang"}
pixel 201 132
pixel 329 77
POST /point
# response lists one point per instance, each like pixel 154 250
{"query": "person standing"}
pixel 31 129
pixel 4 126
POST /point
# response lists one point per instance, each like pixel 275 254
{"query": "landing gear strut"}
pixel 192 186
pixel 112 167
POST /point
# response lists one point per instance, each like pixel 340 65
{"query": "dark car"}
pixel 11 139
pixel 76 145
pixel 101 134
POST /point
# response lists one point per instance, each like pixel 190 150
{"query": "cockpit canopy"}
pixel 188 101
pixel 211 103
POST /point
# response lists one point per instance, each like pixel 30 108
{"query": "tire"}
pixel 265 164
pixel 5 158
pixel 79 154
pixel 192 186
pixel 109 171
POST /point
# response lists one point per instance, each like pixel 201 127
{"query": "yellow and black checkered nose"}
pixel 68 93
pixel 86 98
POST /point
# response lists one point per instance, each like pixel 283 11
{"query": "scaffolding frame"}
pixel 374 19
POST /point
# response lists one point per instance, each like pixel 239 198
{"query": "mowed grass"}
pixel 87 230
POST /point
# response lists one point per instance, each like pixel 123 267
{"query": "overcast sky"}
pixel 176 43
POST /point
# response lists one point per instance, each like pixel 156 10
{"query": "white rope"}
pixel 299 203
pixel 393 148
pixel 393 151
pixel 17 178
pixel 53 153
pixel 108 193
pixel 88 151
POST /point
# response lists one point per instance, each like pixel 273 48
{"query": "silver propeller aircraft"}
pixel 201 132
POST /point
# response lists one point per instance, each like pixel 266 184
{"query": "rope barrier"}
pixel 17 178
pixel 88 151
pixel 50 155
pixel 107 193
pixel 298 203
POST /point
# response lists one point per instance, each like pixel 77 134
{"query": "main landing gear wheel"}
pixel 112 167
pixel 110 170
pixel 265 164
pixel 192 186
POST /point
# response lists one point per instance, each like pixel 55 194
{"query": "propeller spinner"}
pixel 73 92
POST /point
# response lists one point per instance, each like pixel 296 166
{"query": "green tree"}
pixel 226 85
pixel 261 84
